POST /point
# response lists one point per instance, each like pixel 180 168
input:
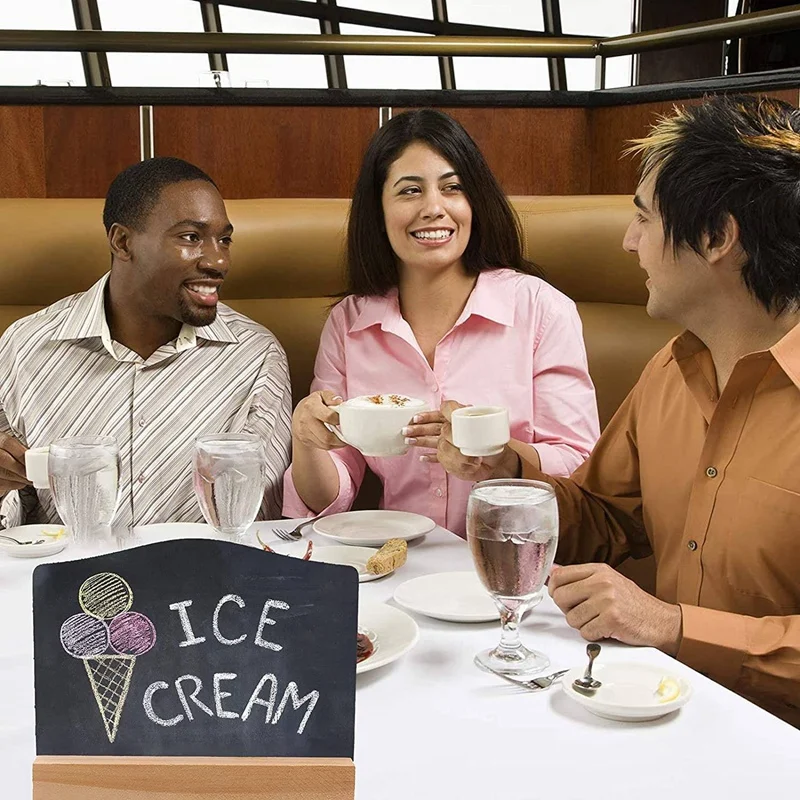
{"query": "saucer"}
pixel 451 596
pixel 32 533
pixel 373 528
pixel 629 691
pixel 343 555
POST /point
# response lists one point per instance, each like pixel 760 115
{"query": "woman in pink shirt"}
pixel 441 305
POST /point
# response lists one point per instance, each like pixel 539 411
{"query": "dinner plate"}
pixel 373 528
pixel 31 533
pixel 392 632
pixel 344 555
pixel 629 691
pixel 451 596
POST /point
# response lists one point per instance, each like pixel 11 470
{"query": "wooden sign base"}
pixel 185 778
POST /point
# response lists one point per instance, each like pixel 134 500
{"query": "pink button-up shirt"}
pixel 518 343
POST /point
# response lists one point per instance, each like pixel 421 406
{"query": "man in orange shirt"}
pixel 700 465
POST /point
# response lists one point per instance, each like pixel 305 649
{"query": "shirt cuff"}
pixel 714 643
pixel 295 508
pixel 551 461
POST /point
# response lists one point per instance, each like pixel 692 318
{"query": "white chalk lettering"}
pixel 229 598
pixel 255 698
pixel 291 691
pixel 187 626
pixel 265 620
pixel 219 696
pixel 147 702
pixel 198 685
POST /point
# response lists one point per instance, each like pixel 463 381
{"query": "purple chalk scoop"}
pixel 131 633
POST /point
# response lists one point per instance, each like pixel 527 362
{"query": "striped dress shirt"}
pixel 62 375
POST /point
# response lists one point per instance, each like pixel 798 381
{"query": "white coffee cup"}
pixel 373 423
pixel 480 430
pixel 36 466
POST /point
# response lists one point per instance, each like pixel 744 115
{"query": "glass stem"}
pixel 510 643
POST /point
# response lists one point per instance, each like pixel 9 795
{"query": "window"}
pixel 154 69
pixel 501 73
pixel 283 71
pixel 19 68
pixel 525 14
pixel 389 72
pixel 590 18
pixel 422 9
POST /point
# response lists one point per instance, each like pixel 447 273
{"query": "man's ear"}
pixel 119 240
pixel 726 243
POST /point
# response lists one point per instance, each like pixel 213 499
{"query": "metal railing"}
pixel 95 41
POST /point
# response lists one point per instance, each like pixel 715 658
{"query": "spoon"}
pixel 587 684
pixel 17 541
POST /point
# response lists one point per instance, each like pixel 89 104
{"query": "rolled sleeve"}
pixel 294 507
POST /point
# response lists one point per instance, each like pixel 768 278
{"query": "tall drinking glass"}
pixel 84 479
pixel 229 480
pixel 512 530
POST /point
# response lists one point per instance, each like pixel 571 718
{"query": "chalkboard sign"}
pixel 195 648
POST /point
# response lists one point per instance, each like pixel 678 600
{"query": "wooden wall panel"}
pixel 610 129
pixel 86 146
pixel 532 150
pixel 22 170
pixel 269 151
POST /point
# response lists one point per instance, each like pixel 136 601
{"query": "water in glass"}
pixel 229 480
pixel 512 530
pixel 84 478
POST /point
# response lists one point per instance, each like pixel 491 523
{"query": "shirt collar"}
pixel 786 351
pixel 489 299
pixel 86 319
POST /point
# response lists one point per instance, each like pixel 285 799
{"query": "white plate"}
pixel 392 631
pixel 373 528
pixel 344 555
pixel 628 692
pixel 32 533
pixel 451 596
pixel 164 531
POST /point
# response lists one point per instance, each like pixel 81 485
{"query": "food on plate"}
pixel 667 690
pixel 364 647
pixel 391 556
pixel 54 535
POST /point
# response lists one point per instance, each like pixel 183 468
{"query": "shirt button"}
pixel 140 479
pixel 711 472
pixel 438 492
pixel 692 544
pixel 141 422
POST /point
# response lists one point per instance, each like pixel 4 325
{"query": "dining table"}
pixel 432 725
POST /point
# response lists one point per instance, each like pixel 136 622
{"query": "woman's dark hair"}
pixel 733 156
pixel 495 240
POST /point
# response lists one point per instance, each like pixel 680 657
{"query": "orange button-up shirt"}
pixel 710 484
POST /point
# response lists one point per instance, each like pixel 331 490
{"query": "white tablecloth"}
pixel 432 725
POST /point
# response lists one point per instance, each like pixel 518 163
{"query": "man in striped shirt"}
pixel 147 355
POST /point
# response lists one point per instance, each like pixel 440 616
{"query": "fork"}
pixel 534 684
pixel 293 534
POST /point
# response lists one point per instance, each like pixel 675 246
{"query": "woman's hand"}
pixel 470 468
pixel 309 418
pixel 424 430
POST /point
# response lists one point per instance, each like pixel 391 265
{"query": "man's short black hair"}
pixel 737 156
pixel 135 191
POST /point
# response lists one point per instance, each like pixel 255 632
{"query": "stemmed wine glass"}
pixel 512 530
pixel 229 480
pixel 83 473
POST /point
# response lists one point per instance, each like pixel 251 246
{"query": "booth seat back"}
pixel 288 264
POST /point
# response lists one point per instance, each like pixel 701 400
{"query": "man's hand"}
pixel 468 468
pixel 12 465
pixel 602 604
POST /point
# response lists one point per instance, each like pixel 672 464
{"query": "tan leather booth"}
pixel 287 263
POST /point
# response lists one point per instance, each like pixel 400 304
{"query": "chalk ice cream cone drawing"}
pixel 108 637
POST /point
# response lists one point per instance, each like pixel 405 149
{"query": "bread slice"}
pixel 391 556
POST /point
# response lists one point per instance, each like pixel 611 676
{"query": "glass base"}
pixel 520 661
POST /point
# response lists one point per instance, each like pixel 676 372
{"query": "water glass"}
pixel 512 530
pixel 229 479
pixel 83 472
